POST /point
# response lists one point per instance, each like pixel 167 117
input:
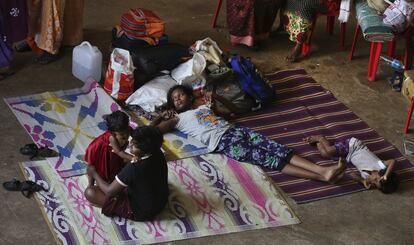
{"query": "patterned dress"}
pixel 298 16
pixel 250 21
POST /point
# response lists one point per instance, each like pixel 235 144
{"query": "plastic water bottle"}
pixel 87 62
pixel 393 63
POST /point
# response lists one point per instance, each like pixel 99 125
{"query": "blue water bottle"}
pixel 393 63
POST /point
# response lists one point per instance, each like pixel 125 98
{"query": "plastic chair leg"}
pixel 391 49
pixel 213 24
pixel 410 113
pixel 342 36
pixel 373 61
pixel 354 41
pixel 330 21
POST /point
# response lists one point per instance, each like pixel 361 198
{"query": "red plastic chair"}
pixel 376 48
pixel 330 21
pixel 213 24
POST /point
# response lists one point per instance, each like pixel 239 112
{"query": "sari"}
pixel 251 20
pixel 55 23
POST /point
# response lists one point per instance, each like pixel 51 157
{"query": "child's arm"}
pixel 357 176
pixel 117 150
pixel 165 122
pixel 91 180
pixel 390 167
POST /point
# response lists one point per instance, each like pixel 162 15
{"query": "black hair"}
pixel 117 121
pixel 147 138
pixel 186 89
pixel 391 184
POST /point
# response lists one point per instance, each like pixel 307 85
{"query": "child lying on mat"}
pixel 106 152
pixel 140 191
pixel 372 171
pixel 237 142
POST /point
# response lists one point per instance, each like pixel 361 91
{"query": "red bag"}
pixel 119 78
pixel 138 23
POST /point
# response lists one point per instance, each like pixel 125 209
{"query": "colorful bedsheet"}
pixel 209 195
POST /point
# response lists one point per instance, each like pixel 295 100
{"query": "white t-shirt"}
pixel 362 158
pixel 203 125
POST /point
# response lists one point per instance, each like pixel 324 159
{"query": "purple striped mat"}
pixel 304 108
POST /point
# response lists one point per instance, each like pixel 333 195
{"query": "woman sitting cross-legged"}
pixel 140 191
pixel 239 143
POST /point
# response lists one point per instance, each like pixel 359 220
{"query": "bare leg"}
pixel 327 173
pixel 293 170
pixel 295 53
pixel 95 196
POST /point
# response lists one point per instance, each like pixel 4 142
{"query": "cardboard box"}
pixel 408 85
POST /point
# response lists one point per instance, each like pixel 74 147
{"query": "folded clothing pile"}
pixel 372 25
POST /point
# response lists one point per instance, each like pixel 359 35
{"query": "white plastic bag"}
pixel 191 71
pixel 152 94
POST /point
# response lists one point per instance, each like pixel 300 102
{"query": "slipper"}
pixel 13 185
pixel 29 150
pixel 22 46
pixel 46 58
pixel 45 151
pixel 29 187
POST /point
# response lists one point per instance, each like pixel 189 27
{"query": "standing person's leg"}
pixel 298 29
pixel 50 35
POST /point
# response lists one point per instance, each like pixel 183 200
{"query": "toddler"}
pixel 372 172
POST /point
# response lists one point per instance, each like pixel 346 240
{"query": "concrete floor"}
pixel 368 217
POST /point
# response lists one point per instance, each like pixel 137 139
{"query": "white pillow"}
pixel 152 94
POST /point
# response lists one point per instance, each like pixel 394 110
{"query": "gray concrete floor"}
pixel 367 217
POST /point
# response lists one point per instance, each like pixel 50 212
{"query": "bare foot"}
pixel 313 139
pixel 295 53
pixel 334 171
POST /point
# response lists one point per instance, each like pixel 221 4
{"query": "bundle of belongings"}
pixel 140 52
pixel 380 20
pixel 371 23
pixel 238 85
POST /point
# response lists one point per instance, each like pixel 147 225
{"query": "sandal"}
pixel 27 188
pixel 46 58
pixel 13 185
pixel 45 151
pixel 22 46
pixel 30 150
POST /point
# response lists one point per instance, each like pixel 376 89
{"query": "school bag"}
pixel 251 80
pixel 139 23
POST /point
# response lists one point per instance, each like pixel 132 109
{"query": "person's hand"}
pixel 383 178
pixel 91 170
pixel 208 98
pixel 168 114
pixel 367 184
pixel 135 159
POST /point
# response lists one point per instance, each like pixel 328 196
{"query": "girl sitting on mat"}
pixel 239 143
pixel 106 152
pixel 140 191
pixel 372 172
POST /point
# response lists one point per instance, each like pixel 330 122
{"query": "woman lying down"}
pixel 236 142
